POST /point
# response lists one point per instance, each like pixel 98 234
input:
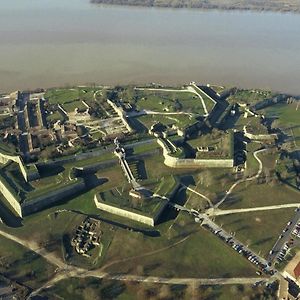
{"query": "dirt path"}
pixel 244 180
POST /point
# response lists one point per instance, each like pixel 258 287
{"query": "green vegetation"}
pixel 22 265
pixel 162 101
pixel 92 288
pixel 253 125
pixel 203 254
pixel 250 96
pixel 118 197
pixel 143 148
pixel 260 194
pixel 166 186
pixel 287 118
pixel 219 144
pixel 178 121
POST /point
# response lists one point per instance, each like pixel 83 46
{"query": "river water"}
pixel 46 43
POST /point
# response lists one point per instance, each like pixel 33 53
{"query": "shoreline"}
pixel 282 10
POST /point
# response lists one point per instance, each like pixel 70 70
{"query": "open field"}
pixel 250 96
pixel 211 182
pixel 119 197
pixel 162 101
pixel 195 253
pixel 65 95
pixel 179 120
pixel 220 145
pixel 54 232
pixel 259 230
pixel 253 125
pixel 22 265
pixel 288 118
pixel 252 194
pixel 91 288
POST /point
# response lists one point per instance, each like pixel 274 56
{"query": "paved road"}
pixel 220 212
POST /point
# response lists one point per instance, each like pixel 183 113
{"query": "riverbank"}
pixel 230 5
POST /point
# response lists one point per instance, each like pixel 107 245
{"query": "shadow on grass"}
pixel 260 242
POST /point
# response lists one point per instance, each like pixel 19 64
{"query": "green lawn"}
pixel 162 101
pixel 252 165
pixel 92 288
pixel 22 265
pixel 255 195
pixel 288 118
pixel 64 95
pixel 259 230
pixel 201 254
pixel 143 148
pixel 250 97
pixel 181 121
pixel 119 197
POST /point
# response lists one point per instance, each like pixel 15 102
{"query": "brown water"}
pixel 58 42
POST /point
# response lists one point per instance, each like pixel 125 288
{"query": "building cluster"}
pixel 8 103
pixel 87 236
pixel 37 126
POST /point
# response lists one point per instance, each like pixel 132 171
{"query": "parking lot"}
pixel 282 245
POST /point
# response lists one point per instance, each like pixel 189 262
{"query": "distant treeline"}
pixel 262 5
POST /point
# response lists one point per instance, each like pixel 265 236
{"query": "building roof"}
pixel 297 270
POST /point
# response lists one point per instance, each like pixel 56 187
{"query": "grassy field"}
pixel 259 230
pixel 166 186
pixel 146 147
pixel 252 165
pixel 64 95
pixel 256 195
pixel 181 121
pixel 288 118
pixel 249 96
pixel 91 288
pixel 211 182
pixel 54 230
pixel 253 124
pixel 162 101
pixel 221 144
pixel 119 197
pixel 22 265
pixel 185 250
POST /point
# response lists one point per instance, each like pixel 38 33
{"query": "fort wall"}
pixel 175 162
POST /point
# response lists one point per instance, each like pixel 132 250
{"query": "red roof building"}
pixel 297 271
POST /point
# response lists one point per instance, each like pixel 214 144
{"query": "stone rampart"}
pixel 48 199
pixel 260 137
pixel 11 199
pixel 123 213
pixel 175 162
pixel 4 158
